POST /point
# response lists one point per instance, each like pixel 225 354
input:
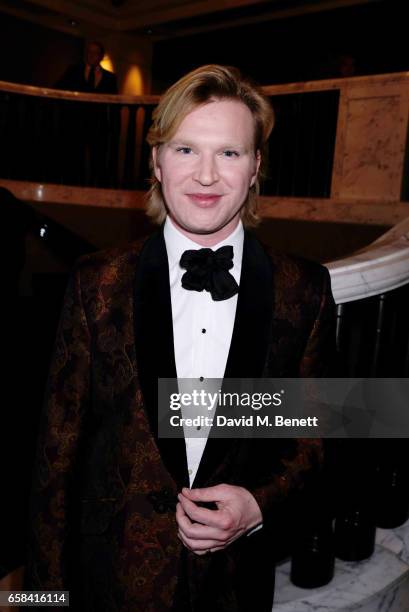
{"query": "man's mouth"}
pixel 204 200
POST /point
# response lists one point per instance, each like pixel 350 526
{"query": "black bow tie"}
pixel 209 270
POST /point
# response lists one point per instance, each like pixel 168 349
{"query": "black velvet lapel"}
pixel 254 314
pixel 250 341
pixel 154 344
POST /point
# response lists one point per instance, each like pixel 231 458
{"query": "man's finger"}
pixel 197 530
pixel 194 529
pixel 201 532
pixel 207 494
pixel 202 545
pixel 211 518
pixel 181 515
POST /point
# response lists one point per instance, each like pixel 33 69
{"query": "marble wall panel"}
pixel 371 141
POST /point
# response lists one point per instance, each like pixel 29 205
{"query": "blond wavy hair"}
pixel 207 83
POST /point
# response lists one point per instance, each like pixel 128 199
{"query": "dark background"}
pixel 295 49
pixel 271 51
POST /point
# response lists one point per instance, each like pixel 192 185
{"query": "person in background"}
pixel 88 75
pixel 90 132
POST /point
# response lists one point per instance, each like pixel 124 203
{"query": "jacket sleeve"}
pixel 301 466
pixel 66 399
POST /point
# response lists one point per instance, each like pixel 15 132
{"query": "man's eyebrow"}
pixel 189 143
pixel 180 141
pixel 235 145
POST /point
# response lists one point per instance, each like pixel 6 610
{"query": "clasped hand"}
pixel 202 530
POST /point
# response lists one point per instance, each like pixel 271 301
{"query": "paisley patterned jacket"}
pixel 103 503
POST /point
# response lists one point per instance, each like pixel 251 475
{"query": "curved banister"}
pixel 378 268
pixel 59 94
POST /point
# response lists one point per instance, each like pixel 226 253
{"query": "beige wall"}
pixel 371 140
pixel 132 61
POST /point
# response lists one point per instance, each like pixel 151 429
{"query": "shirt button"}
pixel 190 472
pixel 201 379
pixel 203 331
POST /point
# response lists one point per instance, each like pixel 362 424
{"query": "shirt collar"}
pixel 177 243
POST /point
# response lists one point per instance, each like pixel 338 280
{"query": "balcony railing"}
pixel 71 138
pixel 68 138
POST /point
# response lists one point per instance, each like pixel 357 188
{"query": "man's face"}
pixel 207 168
pixel 93 54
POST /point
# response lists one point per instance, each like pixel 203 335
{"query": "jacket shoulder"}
pixel 300 286
pixel 111 263
pixel 294 269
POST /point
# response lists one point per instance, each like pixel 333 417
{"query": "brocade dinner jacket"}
pixel 104 493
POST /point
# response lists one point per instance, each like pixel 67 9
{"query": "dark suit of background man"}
pixel 90 131
pixel 113 519
pixel 88 75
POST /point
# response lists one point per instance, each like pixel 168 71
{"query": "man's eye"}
pixel 184 150
pixel 230 153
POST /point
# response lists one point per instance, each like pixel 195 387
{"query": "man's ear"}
pixel 156 165
pixel 257 167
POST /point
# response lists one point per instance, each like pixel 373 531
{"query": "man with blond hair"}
pixel 128 520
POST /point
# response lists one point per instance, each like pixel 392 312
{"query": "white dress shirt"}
pixel 202 327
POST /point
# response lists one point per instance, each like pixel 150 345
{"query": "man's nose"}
pixel 206 172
